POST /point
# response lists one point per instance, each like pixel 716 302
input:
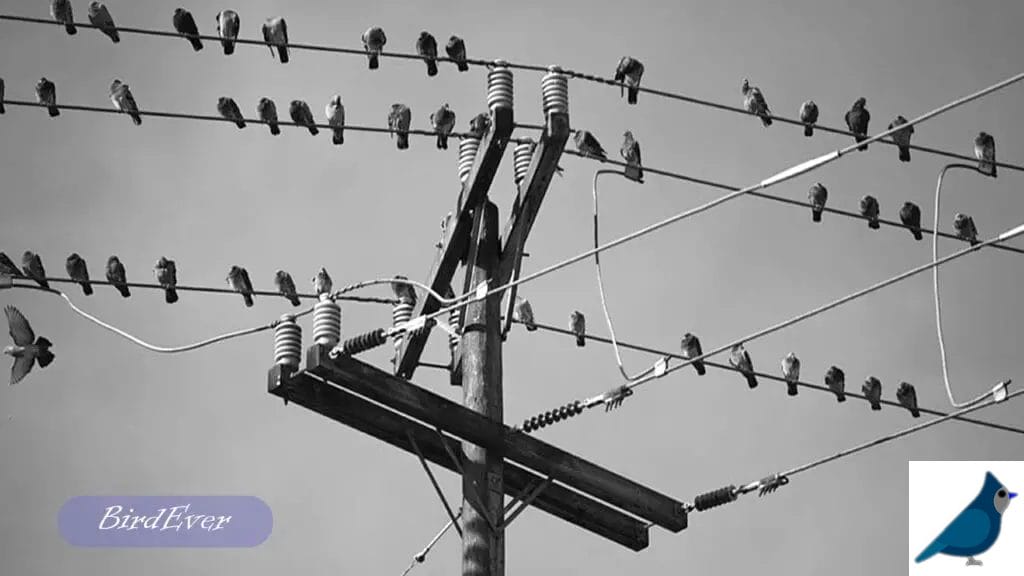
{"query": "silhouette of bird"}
pixel 275 33
pixel 167 276
pixel 228 24
pixel 976 528
pixel 9 268
pixel 267 111
pixel 872 388
pixel 303 116
pixel 46 94
pixel 116 276
pixel 480 124
pixel 374 40
pixel 456 50
pixel 426 47
pixel 578 325
pixel 523 313
pixel 965 228
pixel 3 89
pixel 985 152
pixel 588 145
pixel 902 137
pixel 61 12
pixel 629 71
pixel 630 152
pixel 27 349
pixel 817 196
pixel 399 119
pixel 739 358
pixel 286 286
pixel 869 209
pixel 100 17
pixel 754 102
pixel 690 346
pixel 791 372
pixel 322 283
pixel 228 108
pixel 123 100
pixel 185 25
pixel 857 119
pixel 336 118
pixel 910 215
pixel 32 266
pixel 403 290
pixel 907 397
pixel 77 270
pixel 238 279
pixel 835 379
pixel 809 116
pixel 443 122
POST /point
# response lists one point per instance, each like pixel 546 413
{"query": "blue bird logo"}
pixel 975 529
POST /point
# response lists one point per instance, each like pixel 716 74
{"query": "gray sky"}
pixel 110 418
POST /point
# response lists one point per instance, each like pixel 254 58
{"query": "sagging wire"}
pixel 359 285
pixel 770 484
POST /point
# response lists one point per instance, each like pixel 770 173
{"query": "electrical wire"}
pixel 352 287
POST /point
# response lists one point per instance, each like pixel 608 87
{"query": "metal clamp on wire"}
pixel 614 398
pixel 771 483
pixel 1000 390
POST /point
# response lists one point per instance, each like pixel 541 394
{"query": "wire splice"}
pixel 288 342
pixel 326 321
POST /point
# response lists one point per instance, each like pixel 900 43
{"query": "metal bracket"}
pixel 527 501
pixel 437 487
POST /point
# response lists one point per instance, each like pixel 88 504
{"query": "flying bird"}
pixel 275 33
pixel 791 372
pixel 27 349
pixel 965 228
pixel 374 40
pixel 588 145
pixel 116 276
pixel 79 272
pixel 303 116
pixel 399 119
pixel 869 209
pixel 335 112
pixel 426 47
pixel 123 100
pixel 985 152
pixel 322 283
pixel 910 215
pixel 61 11
pixel 809 116
pixel 857 119
pixel 238 279
pixel 907 397
pixel 523 313
pixel 872 389
pixel 629 71
pixel 739 358
pixel 46 94
pixel 456 50
pixel 185 25
pixel 443 122
pixel 229 110
pixel 228 24
pixel 267 111
pixel 32 265
pixel 630 152
pixel 480 124
pixel 286 286
pixel 578 325
pixel 754 102
pixel 167 276
pixel 902 137
pixel 817 196
pixel 975 529
pixel 100 17
pixel 9 268
pixel 835 379
pixel 690 346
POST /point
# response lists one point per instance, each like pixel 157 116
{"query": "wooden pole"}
pixel 483 548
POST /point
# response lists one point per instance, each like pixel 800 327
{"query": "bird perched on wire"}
pixel 374 40
pixel 965 228
pixel 32 266
pixel 286 286
pixel 754 102
pixel 444 230
pixel 27 349
pixel 167 276
pixel 480 124
pixel 691 349
pixel 275 33
pixel 523 313
pixel 228 24
pixel 124 101
pixel 739 359
pixel 399 119
pixel 77 270
pixel 61 12
pixel 443 122
pixel 46 94
pixel 426 47
pixel 857 119
pixel 228 108
pixel 3 89
pixel 907 397
pixel 267 111
pixel 403 290
pixel 322 283
pixel 456 50
pixel 588 145
pixel 9 268
pixel 630 152
pixel 100 17
pixel 902 137
pixel 335 112
pixel 872 389
pixel 817 195
pixel 116 276
pixel 303 116
pixel 185 25
pixel 835 379
pixel 985 152
pixel 629 71
pixel 869 209
pixel 976 528
pixel 238 279
pixel 791 372
pixel 910 215
pixel 809 116
pixel 578 325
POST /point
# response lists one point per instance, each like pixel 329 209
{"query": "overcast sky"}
pixel 108 417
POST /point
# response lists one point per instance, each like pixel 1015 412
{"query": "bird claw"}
pixel 770 484
pixel 615 398
pixel 972 561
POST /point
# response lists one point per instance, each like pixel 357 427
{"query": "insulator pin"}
pixel 288 342
pixel 715 498
pixel 554 89
pixel 326 321
pixel 499 86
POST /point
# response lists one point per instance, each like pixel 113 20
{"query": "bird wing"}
pixel 22 366
pixel 968 529
pixel 21 332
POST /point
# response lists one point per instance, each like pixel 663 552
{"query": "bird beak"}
pixel 1013 495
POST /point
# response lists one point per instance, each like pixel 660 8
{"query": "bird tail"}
pixel 634 173
pixel 170 295
pixel 229 47
pixel 442 142
pixel 275 130
pixel 751 380
pixel 71 29
pixel 917 233
pixel 932 549
pixel 248 299
pixel 840 396
pixel 54 111
pixel 294 300
pixel 531 327
pixel 915 413
pixel 282 52
pixel 816 215
pixel 313 130
pixel 45 357
pixel 240 124
pixel 993 170
pixel 861 138
pixel 904 154
pixel 876 406
pixel 808 130
pixel 339 136
pixel 791 389
pixel 431 68
pixel 197 44
pixel 43 283
pixel 137 119
pixel 463 66
pixel 403 140
pixel 115 37
pixel 700 368
pixel 873 224
pixel 87 288
pixel 3 110
pixel 123 289
pixel 581 341
pixel 632 94
pixel 766 121
pixel 374 61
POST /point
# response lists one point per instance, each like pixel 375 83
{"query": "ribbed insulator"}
pixel 521 155
pixel 554 88
pixel 552 416
pixel 467 155
pixel 455 321
pixel 288 342
pixel 364 342
pixel 715 498
pixel 326 321
pixel 499 86
pixel 400 314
